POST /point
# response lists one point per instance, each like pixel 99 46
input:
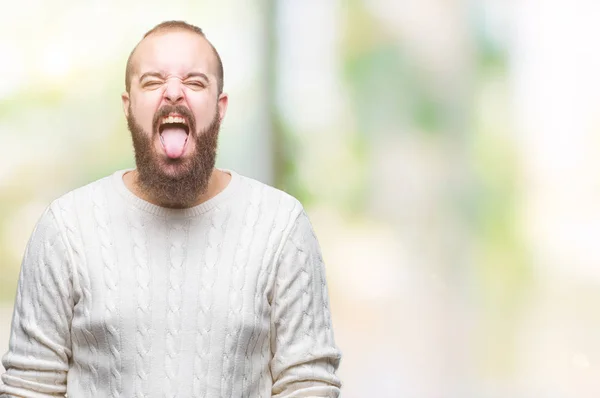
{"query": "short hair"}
pixel 172 26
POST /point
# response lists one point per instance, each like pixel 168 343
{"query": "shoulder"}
pixel 272 201
pixel 79 203
pixel 80 199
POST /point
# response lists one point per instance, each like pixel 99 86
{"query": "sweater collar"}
pixel 131 198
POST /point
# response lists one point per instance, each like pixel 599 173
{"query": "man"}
pixel 175 278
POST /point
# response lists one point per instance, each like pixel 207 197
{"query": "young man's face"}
pixel 174 108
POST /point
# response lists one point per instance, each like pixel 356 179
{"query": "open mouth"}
pixel 174 131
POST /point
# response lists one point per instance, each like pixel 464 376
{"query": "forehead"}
pixel 174 52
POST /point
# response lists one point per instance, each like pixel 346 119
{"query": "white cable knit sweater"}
pixel 121 298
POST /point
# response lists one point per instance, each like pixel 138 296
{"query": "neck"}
pixel 216 183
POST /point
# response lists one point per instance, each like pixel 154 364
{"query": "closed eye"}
pixel 152 84
pixel 195 84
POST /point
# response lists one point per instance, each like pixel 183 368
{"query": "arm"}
pixel 37 360
pixel 305 357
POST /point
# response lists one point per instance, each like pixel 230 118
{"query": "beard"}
pixel 176 183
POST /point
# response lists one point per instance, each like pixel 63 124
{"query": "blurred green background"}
pixel 447 152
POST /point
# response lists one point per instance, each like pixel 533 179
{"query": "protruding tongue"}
pixel 173 140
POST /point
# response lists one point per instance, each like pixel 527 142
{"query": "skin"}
pixel 174 68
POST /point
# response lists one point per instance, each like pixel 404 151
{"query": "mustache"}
pixel 165 110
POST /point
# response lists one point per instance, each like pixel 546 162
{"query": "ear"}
pixel 125 101
pixel 222 105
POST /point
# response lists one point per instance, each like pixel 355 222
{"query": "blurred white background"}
pixel 447 151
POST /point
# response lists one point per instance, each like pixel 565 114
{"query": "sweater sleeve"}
pixel 39 351
pixel 305 357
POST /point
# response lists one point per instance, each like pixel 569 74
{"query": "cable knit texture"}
pixel 121 298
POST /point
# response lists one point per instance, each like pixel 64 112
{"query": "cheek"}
pixel 204 111
pixel 144 109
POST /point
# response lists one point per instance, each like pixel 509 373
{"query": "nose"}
pixel 174 91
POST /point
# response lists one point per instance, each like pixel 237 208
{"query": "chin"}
pixel 175 168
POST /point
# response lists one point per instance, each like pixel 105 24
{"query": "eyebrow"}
pixel 151 74
pixel 161 76
pixel 197 74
